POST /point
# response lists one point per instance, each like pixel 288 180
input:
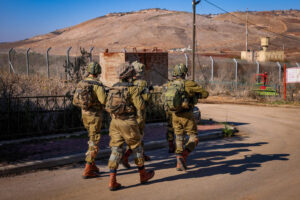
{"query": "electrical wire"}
pixel 259 28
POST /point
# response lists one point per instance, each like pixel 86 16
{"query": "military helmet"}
pixel 180 70
pixel 138 67
pixel 126 71
pixel 94 68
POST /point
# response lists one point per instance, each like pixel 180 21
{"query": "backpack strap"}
pixel 124 84
pixel 93 82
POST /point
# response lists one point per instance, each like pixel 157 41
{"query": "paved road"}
pixel 263 163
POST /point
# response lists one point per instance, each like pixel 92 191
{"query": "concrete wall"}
pixel 248 55
pixel 109 63
pixel 156 66
pixel 263 56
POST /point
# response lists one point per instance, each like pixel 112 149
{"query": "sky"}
pixel 21 19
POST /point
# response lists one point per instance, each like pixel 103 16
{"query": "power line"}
pixel 259 28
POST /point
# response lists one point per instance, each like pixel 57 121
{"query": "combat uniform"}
pixel 124 128
pixel 183 120
pixel 95 95
pixel 170 136
pixel 143 90
pixel 92 121
pixel 142 86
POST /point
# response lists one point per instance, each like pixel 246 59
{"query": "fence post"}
pixel 10 65
pixel 236 72
pixel 284 82
pixel 212 68
pixel 47 61
pixel 91 57
pixel 279 68
pixel 297 64
pixel 186 60
pixel 68 62
pixel 27 61
pixel 257 70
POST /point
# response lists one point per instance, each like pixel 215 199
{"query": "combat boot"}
pixel 145 176
pixel 171 147
pixel 113 184
pixel 88 172
pixel 185 154
pixel 181 165
pixel 124 160
pixel 95 168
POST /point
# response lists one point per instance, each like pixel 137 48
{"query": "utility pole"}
pixel 247 30
pixel 194 34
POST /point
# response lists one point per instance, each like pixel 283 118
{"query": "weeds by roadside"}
pixel 228 131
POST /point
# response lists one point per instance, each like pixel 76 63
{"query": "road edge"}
pixel 76 158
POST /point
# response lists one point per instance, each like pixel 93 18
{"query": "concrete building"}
pixel 263 55
pixel 156 65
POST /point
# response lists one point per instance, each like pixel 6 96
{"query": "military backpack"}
pixel 118 100
pixel 175 95
pixel 83 96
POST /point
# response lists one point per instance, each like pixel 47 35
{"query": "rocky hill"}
pixel 222 35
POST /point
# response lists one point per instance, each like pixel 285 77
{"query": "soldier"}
pixel 143 90
pixel 90 96
pixel 181 96
pixel 123 102
pixel 170 136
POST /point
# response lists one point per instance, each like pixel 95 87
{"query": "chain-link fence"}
pixel 219 75
pixel 226 76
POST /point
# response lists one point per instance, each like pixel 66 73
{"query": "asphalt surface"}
pixel 262 163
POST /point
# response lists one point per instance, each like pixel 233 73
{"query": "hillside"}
pixel 216 34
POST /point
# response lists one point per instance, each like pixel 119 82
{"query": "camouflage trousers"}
pixel 92 121
pixel 124 131
pixel 184 123
pixel 170 131
pixel 141 120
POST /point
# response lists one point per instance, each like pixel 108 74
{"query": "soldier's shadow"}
pixel 209 161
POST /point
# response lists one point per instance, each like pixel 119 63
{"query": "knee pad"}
pixel 93 150
pixel 194 138
pixel 192 143
pixel 180 139
pixel 138 154
pixel 115 157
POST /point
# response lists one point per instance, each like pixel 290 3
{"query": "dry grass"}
pixel 22 85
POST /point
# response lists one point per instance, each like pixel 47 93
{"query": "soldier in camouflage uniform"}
pixel 143 90
pixel 123 102
pixel 92 116
pixel 170 136
pixel 184 121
